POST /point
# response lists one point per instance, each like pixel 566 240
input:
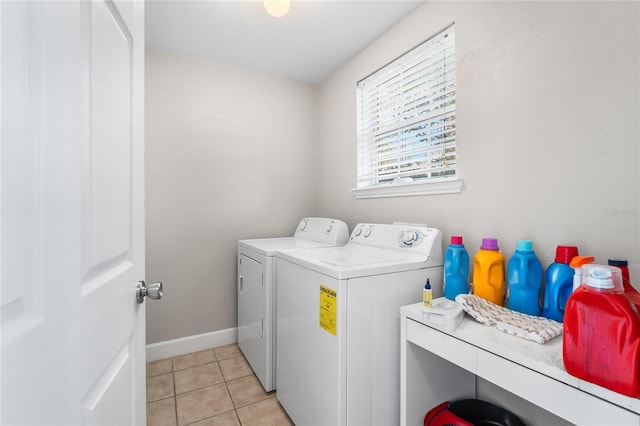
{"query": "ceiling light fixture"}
pixel 277 8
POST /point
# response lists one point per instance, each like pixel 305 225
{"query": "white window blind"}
pixel 407 118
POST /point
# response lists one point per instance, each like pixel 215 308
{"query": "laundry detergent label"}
pixel 329 309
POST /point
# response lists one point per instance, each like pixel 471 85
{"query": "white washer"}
pixel 338 322
pixel 256 287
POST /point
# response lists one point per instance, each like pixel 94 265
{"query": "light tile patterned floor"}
pixel 215 387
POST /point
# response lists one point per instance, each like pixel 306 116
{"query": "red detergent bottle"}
pixel 601 339
pixel 629 290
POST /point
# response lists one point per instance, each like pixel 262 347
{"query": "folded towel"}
pixel 536 329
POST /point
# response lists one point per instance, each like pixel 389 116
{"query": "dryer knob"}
pixel 303 224
pixel 329 228
pixel 367 232
pixel 357 231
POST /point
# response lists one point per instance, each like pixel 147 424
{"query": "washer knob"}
pixel 357 231
pixel 367 232
pixel 410 238
pixel 329 228
pixel 303 224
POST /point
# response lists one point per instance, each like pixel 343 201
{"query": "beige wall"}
pixel 548 114
pixel 222 145
pixel 548 130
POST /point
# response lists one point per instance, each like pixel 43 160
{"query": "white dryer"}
pixel 256 288
pixel 338 322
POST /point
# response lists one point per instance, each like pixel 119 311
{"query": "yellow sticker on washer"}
pixel 329 310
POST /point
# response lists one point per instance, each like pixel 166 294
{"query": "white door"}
pixel 72 203
pixel 251 297
pixel 251 304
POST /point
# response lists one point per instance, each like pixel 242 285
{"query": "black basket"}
pixel 470 412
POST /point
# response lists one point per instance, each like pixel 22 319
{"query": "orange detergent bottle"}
pixel 488 272
pixel 601 338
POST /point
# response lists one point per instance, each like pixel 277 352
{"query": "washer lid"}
pixel 354 260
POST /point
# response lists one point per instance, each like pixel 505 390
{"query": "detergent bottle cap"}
pixel 489 244
pixel 578 261
pixel 456 240
pixel 602 277
pixel 564 254
pixel 525 245
pixel 618 262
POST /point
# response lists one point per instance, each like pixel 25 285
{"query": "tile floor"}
pixel 215 387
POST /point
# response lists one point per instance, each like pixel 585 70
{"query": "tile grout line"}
pixel 175 396
pixel 235 408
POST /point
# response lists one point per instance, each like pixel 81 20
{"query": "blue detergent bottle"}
pixel 456 269
pixel 559 284
pixel 524 275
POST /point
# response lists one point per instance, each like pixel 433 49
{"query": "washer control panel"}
pixel 419 239
pixel 362 230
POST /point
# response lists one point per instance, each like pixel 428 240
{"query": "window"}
pixel 407 123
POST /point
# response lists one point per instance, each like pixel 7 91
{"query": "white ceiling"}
pixel 313 40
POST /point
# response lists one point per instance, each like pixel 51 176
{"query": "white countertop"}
pixel 545 358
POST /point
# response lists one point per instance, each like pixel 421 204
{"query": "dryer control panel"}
pixel 323 230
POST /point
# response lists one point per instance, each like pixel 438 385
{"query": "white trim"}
pixel 444 186
pixel 189 344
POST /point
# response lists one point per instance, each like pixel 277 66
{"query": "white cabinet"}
pixel 439 365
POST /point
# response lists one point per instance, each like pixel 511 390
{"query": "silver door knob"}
pixel 153 291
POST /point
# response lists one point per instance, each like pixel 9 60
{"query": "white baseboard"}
pixel 185 345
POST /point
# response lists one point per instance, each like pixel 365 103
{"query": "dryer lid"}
pixel 271 246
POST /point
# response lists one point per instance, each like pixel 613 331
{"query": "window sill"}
pixel 444 186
